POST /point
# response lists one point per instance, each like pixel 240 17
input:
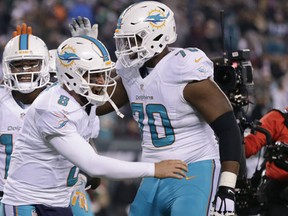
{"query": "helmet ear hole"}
pixel 158 37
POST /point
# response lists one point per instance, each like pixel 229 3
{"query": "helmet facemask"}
pixel 130 51
pixel 25 75
pixel 94 84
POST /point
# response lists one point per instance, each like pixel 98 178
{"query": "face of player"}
pixel 96 81
pixel 129 44
pixel 24 69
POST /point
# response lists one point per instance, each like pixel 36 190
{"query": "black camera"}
pixel 234 75
pixel 250 199
pixel 278 153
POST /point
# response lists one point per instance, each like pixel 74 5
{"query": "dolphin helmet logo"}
pixel 67 56
pixel 157 18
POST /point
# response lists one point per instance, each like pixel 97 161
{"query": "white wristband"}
pixel 228 179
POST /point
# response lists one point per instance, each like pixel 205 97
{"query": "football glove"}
pixel 79 193
pixel 23 29
pixel 81 26
pixel 224 202
pixel 92 183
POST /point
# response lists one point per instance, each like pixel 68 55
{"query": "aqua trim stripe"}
pixel 100 46
pixel 23 42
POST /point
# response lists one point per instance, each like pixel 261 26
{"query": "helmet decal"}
pixel 68 57
pixel 23 42
pixel 157 18
pixel 119 23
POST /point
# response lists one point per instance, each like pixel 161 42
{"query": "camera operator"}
pixel 275 187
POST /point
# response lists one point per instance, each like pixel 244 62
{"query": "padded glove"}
pixel 81 26
pixel 224 202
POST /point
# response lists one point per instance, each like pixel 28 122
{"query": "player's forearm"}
pixel 230 166
pixel 229 136
pixel 102 166
pixel 80 153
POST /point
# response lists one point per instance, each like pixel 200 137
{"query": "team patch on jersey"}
pixel 63 120
pixel 202 69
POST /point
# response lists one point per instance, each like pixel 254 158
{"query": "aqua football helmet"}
pixel 25 63
pixel 143 31
pixel 80 61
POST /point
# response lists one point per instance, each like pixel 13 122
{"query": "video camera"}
pixel 249 193
pixel 234 75
pixel 278 153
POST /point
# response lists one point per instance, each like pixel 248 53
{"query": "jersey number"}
pixel 6 140
pixel 152 110
pixel 63 100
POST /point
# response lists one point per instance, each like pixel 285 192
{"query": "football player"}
pixel 179 110
pixel 25 74
pixel 53 143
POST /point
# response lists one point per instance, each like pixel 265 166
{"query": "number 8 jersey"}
pixel 169 126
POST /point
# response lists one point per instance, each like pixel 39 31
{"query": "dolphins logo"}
pixel 157 18
pixel 68 57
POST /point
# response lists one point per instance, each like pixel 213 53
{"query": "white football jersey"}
pixel 38 174
pixel 170 127
pixel 11 118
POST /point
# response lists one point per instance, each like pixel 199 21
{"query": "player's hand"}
pixel 93 182
pixel 79 193
pixel 23 29
pixel 224 202
pixel 171 168
pixel 82 26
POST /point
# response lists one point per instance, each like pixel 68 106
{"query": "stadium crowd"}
pixel 260 25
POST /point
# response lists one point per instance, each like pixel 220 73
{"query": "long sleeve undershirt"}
pixel 80 153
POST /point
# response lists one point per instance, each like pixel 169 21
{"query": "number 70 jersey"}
pixel 169 126
pixel 11 118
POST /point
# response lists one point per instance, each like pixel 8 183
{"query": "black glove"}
pixel 93 183
pixel 224 202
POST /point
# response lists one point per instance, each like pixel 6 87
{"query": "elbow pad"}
pixel 229 137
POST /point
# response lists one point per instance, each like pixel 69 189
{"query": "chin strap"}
pixel 116 109
pixel 121 115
